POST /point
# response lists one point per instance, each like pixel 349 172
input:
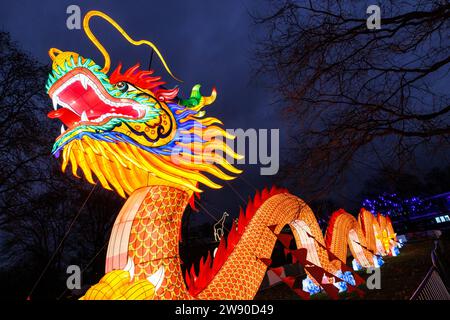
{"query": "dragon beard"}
pixel 126 167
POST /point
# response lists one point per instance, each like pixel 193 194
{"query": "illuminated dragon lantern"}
pixel 133 135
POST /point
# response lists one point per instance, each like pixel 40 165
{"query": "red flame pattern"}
pixel 209 267
pixel 143 80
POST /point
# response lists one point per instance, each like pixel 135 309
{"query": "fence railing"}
pixel 432 287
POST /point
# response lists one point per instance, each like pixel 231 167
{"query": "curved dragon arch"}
pixel 140 139
pixel 344 232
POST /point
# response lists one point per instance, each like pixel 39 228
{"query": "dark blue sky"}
pixel 206 42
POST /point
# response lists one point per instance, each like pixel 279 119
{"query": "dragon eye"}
pixel 124 86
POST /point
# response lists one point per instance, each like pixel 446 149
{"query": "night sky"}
pixel 206 42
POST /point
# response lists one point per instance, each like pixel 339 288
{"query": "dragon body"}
pixel 134 136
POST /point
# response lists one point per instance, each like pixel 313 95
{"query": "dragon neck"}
pixel 147 231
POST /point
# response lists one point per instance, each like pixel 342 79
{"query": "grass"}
pixel 400 276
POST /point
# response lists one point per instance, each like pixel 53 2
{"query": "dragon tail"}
pixel 241 260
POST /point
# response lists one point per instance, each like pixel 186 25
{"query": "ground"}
pixel 400 276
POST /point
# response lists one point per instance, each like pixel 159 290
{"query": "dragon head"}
pixel 129 131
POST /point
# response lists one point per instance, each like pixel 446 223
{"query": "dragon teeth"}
pixel 130 267
pixel 106 115
pixel 62 129
pixel 84 116
pixel 55 101
pixel 157 278
pixel 84 82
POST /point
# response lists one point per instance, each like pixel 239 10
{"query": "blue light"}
pixel 309 286
pixel 356 266
pixel 393 205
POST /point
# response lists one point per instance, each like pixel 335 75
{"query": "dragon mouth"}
pixel 84 101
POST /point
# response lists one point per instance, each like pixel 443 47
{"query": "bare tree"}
pixel 23 146
pixel 351 92
pixel 48 220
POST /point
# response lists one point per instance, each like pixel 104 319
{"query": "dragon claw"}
pixel 119 285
